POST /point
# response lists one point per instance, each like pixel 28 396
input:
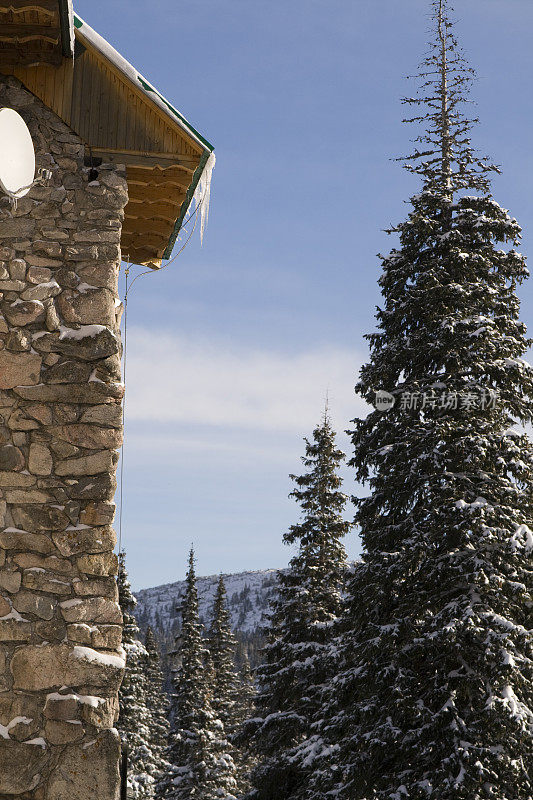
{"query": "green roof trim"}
pixel 148 88
pixel 77 22
pixel 186 203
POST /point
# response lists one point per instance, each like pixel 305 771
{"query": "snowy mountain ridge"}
pixel 249 594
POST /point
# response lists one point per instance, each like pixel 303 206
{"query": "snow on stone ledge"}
pixel 83 332
pixel 85 699
pixel 95 657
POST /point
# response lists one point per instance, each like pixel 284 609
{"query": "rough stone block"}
pixel 11 286
pixel 89 348
pixel 86 771
pixel 42 291
pixel 39 274
pixel 22 765
pixel 76 540
pixel 100 564
pixel 91 437
pixel 63 450
pixel 109 370
pixel 15 630
pixel 51 630
pixel 19 369
pixel 35 668
pixel 11 458
pixel 10 580
pixel 90 394
pixel 18 421
pixel 40 461
pixel 92 609
pixel 40 580
pixel 37 518
pixel 107 637
pixel 109 414
pixel 23 496
pixel 49 563
pixel 94 306
pixel 25 313
pixel 93 464
pixel 103 714
pixel 69 372
pixel 62 706
pixel 17 269
pixel 18 341
pixel 10 480
pixel 13 539
pixel 102 587
pixel 99 487
pixel 52 321
pixel 98 514
pixel 63 732
pixel 40 412
pixel 32 603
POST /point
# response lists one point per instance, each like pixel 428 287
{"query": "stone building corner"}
pixel 61 661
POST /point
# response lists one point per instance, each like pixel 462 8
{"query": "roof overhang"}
pixel 161 182
pixel 119 114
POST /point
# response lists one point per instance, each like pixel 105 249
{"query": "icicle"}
pixel 202 194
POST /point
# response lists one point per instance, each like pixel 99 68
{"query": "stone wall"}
pixel 60 427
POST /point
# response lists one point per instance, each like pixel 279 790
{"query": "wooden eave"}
pixel 123 119
pixel 34 32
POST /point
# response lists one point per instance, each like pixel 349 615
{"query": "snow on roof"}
pixel 138 80
pixel 66 13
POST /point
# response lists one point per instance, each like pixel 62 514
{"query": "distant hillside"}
pixel 249 594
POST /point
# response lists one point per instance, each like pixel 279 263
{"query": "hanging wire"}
pixel 194 216
pixel 121 495
pixel 128 288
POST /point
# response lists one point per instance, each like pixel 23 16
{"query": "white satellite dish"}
pixel 17 154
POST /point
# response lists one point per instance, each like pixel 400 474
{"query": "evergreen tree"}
pixel 157 705
pixel 301 622
pixel 244 755
pixel 222 647
pixel 246 691
pixel 134 718
pixel 200 760
pixel 434 695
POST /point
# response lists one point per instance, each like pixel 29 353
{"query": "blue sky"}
pixel 233 348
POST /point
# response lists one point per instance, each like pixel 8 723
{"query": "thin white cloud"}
pixel 178 379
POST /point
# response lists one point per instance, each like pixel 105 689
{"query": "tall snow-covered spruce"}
pixel 230 691
pixel 296 656
pixel 134 716
pixel 222 646
pixel 434 694
pixel 157 705
pixel 200 763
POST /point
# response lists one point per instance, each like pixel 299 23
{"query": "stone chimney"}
pixel 60 426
